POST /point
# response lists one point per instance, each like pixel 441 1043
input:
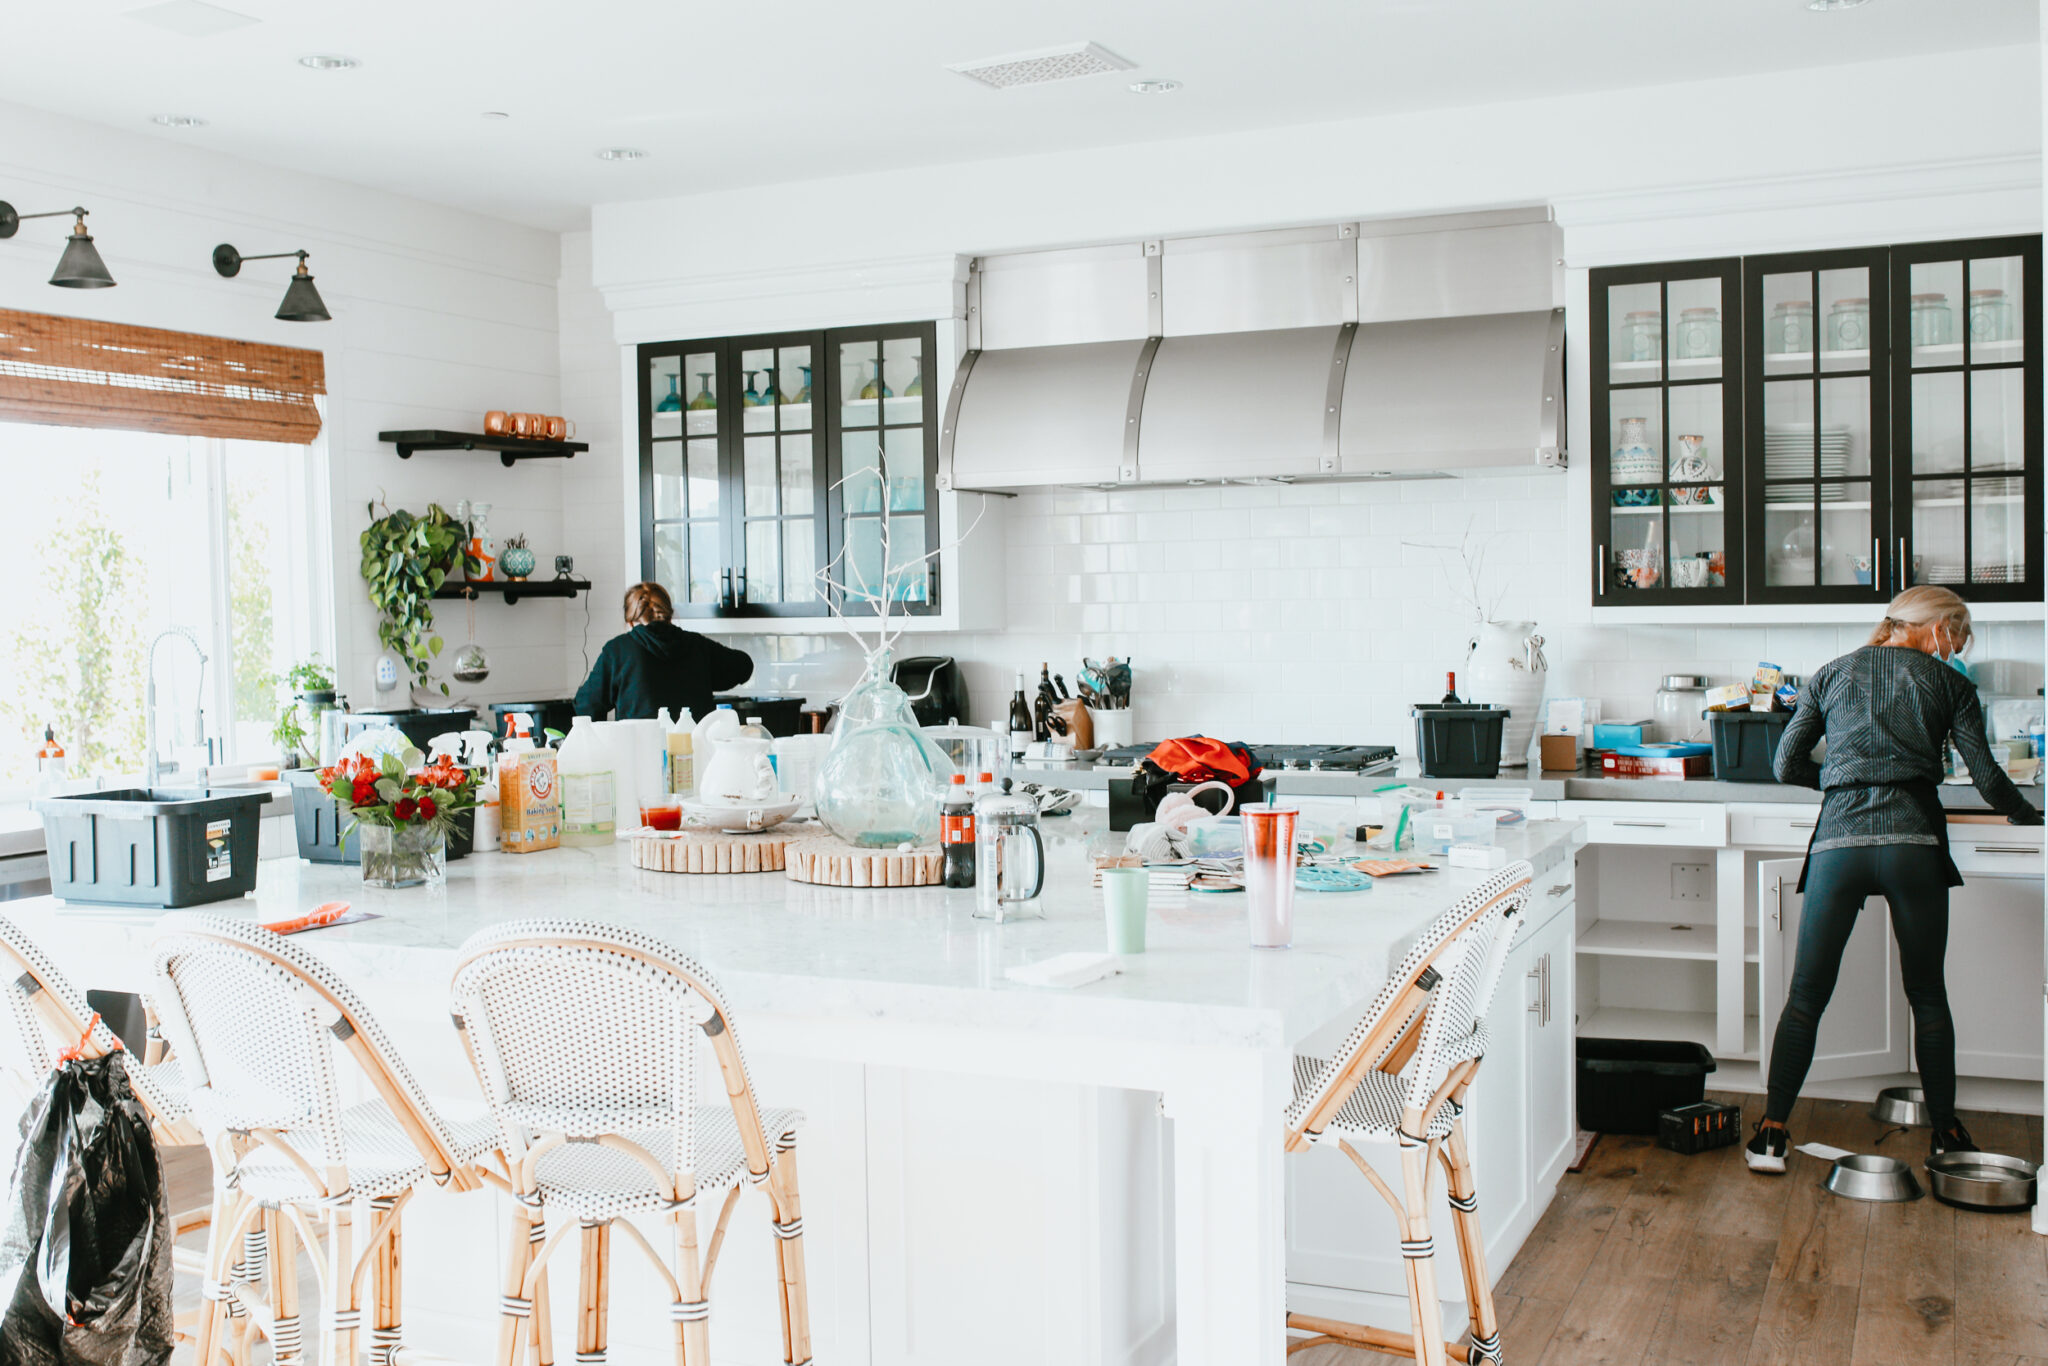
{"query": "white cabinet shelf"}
pixel 1656 939
pixel 1664 1026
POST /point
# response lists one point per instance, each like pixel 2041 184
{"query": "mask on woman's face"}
pixel 1949 653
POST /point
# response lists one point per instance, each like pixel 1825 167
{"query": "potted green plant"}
pixel 406 558
pixel 310 691
pixel 515 558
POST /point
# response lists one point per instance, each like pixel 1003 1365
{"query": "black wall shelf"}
pixel 531 588
pixel 511 449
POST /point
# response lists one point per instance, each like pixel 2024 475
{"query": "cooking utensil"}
pixel 1866 1176
pixel 1983 1181
pixel 1900 1105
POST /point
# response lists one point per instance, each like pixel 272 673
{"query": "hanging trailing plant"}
pixel 405 558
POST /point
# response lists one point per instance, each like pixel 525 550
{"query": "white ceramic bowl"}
pixel 739 818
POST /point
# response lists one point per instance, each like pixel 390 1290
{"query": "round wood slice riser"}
pixel 831 862
pixel 704 851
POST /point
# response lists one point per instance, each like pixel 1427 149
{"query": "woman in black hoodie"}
pixel 658 664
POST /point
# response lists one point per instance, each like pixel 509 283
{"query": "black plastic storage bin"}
pixel 420 725
pixel 779 716
pixel 1624 1084
pixel 319 822
pixel 1746 744
pixel 152 846
pixel 1456 740
pixel 557 713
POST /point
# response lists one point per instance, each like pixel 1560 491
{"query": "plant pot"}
pixel 517 562
pixel 401 856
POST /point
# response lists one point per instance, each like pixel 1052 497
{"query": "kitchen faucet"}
pixel 151 769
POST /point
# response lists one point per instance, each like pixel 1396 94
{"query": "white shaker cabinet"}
pixel 1867 1025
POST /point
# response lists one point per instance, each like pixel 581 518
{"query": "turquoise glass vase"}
pixel 883 778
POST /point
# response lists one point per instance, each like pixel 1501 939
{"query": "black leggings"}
pixel 1913 879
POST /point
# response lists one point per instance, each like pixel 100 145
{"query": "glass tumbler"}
pixel 1269 873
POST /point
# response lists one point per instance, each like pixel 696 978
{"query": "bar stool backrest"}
pixel 587 1029
pixel 255 1020
pixel 1389 1025
pixel 49 1016
pixel 1471 965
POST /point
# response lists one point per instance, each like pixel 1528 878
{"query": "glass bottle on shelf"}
pixel 672 401
pixel 875 388
pixel 752 397
pixel 803 395
pixel 770 394
pixel 916 385
pixel 704 399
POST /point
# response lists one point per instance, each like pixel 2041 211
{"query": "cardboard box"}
pixel 1560 753
pixel 1643 766
pixel 529 802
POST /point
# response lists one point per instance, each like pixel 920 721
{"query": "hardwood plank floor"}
pixel 1647 1258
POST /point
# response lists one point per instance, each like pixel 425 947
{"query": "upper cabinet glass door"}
pixel 779 535
pixel 1819 426
pixel 683 535
pixel 1967 340
pixel 1668 469
pixel 884 502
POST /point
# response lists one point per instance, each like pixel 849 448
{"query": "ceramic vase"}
pixel 882 779
pixel 1504 667
pixel 516 561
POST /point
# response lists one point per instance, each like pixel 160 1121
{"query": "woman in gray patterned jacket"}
pixel 1886 711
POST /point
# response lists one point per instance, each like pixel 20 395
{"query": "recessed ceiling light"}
pixel 1824 5
pixel 621 154
pixel 329 61
pixel 1153 87
pixel 496 114
pixel 178 121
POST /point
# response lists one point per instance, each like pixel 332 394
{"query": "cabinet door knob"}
pixel 1559 890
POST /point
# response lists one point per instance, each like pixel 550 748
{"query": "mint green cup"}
pixel 1125 892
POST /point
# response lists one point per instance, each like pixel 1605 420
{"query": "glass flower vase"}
pixel 883 778
pixel 401 856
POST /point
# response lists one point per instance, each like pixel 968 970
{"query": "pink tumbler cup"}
pixel 1269 873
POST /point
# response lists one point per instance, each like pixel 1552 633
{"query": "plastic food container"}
pixel 156 847
pixel 1626 1084
pixel 1458 741
pixel 1746 744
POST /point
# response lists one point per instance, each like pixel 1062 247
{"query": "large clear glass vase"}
pixel 409 855
pixel 882 779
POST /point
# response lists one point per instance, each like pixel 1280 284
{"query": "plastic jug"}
pixel 723 724
pixel 584 772
pixel 677 767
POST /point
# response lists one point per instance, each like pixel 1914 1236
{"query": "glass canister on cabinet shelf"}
pixel 1699 334
pixel 1990 316
pixel 1932 322
pixel 1849 325
pixel 1642 335
pixel 1678 708
pixel 1790 331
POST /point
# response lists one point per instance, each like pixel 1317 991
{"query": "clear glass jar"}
pixel 883 779
pixel 1791 328
pixel 1678 709
pixel 1990 316
pixel 1849 325
pixel 1932 322
pixel 1699 334
pixel 1642 335
pixel 409 855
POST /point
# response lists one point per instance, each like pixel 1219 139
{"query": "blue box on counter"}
pixel 1617 734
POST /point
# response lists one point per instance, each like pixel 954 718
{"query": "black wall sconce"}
pixel 80 267
pixel 301 301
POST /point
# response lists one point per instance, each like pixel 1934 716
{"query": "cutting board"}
pixel 832 862
pixel 708 851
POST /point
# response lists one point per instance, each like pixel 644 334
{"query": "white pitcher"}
pixel 1505 666
pixel 739 772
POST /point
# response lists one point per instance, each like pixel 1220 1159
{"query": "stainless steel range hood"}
pixel 1404 350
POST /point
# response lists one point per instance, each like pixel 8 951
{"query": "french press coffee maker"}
pixel 1009 856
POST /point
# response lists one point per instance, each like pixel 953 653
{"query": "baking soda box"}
pixel 529 802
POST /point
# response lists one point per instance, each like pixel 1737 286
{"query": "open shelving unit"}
pixel 511 449
pixel 514 591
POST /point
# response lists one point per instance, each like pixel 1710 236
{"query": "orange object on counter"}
pixel 264 775
pixel 662 817
pixel 325 913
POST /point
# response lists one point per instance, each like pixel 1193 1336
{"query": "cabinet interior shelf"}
pixel 511 449
pixel 1667 1026
pixel 513 592
pixel 1656 939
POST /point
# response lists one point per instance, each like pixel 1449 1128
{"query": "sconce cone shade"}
pixel 302 303
pixel 80 267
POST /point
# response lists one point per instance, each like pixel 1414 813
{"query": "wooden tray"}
pixel 832 862
pixel 709 851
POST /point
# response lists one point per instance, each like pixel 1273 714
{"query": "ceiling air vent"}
pixel 1067 63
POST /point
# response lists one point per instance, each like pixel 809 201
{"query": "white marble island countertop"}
pixel 906 955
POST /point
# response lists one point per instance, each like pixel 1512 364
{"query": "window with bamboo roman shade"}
pixel 75 372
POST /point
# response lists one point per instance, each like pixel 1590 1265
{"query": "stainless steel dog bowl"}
pixel 1989 1181
pixel 1900 1105
pixel 1866 1176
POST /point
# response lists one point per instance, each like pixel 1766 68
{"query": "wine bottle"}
pixel 1041 725
pixel 1451 689
pixel 1020 720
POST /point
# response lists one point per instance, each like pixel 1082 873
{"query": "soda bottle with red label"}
pixel 956 833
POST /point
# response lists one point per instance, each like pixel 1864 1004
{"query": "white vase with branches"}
pixel 1504 663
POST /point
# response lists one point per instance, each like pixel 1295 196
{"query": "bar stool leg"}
pixel 595 1283
pixel 1418 1251
pixel 287 1347
pixel 543 1302
pixel 789 1258
pixel 516 1314
pixel 1464 1195
pixel 692 1312
pixel 213 1317
pixel 387 1284
pixel 343 1314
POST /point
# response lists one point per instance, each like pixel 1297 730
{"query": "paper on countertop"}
pixel 1067 970
pixel 1824 1152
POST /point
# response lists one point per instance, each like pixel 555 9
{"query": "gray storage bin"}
pixel 159 847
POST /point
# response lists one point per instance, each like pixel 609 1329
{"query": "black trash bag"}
pixel 85 1263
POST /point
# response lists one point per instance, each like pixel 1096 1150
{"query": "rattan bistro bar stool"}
pixel 584 1038
pixel 1401 1077
pixel 256 1021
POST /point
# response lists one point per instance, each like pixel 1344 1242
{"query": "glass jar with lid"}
pixel 1990 316
pixel 1791 328
pixel 1679 707
pixel 1849 325
pixel 1699 334
pixel 1642 335
pixel 1932 322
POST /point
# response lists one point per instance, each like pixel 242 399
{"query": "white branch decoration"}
pixel 1472 592
pixel 833 577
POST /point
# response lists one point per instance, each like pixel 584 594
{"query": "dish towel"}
pixel 1067 970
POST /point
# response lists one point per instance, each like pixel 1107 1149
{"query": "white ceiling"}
pixel 739 94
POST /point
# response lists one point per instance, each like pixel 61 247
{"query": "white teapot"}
pixel 739 772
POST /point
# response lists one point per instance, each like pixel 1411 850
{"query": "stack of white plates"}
pixel 1788 454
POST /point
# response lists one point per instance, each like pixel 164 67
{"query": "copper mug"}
pixel 526 424
pixel 560 429
pixel 497 423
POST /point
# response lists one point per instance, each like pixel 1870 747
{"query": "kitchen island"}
pixel 986 1165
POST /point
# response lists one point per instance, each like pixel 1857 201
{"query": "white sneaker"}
pixel 1765 1152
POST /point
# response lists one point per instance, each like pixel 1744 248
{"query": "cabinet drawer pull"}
pixel 1559 890
pixel 1801 825
pixel 1536 998
pixel 2004 849
pixel 1645 825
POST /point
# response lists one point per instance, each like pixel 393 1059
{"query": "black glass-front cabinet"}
pixel 783 471
pixel 1882 418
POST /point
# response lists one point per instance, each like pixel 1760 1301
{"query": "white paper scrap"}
pixel 1067 970
pixel 1824 1152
